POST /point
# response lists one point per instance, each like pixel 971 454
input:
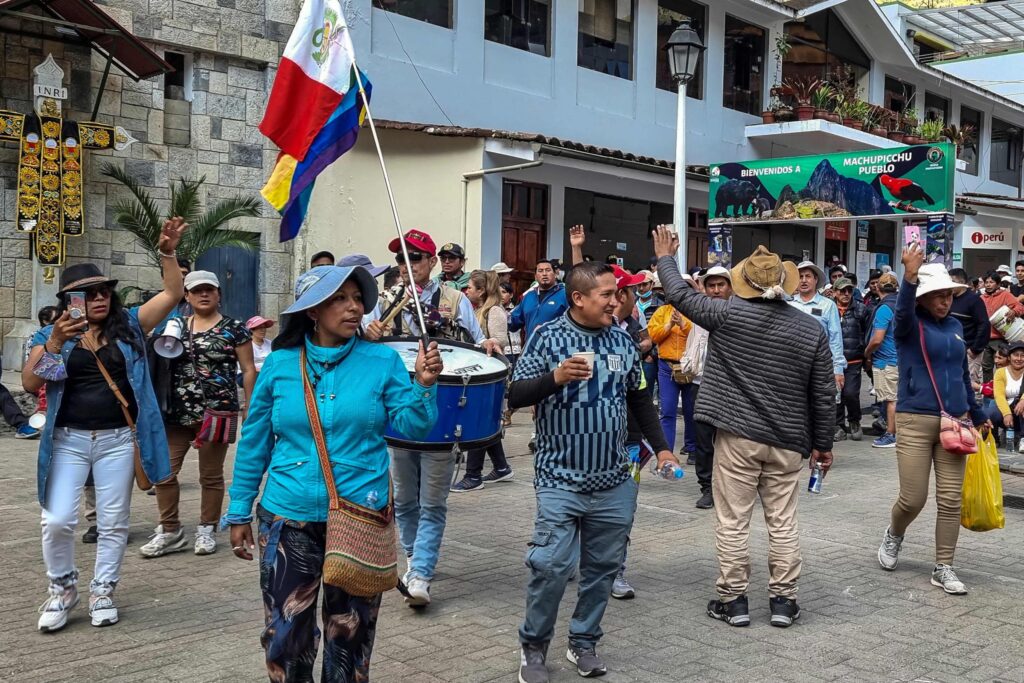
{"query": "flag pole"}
pixel 394 207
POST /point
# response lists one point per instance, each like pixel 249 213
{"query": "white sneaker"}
pixel 945 578
pixel 101 606
pixel 53 614
pixel 162 543
pixel 889 551
pixel 419 591
pixel 206 544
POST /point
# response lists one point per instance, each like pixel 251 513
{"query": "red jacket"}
pixel 993 302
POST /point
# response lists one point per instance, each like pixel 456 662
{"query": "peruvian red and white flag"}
pixel 313 77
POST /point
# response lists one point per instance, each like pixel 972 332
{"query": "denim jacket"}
pixel 150 426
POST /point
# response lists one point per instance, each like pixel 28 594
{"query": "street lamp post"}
pixel 684 49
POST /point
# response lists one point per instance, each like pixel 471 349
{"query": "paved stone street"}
pixel 198 619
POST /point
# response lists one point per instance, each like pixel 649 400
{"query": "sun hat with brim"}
pixel 318 284
pixel 364 261
pixel 258 321
pixel 1004 269
pixel 755 275
pixel 818 272
pixel 82 276
pixel 717 271
pixel 843 283
pixel 201 277
pixel 624 278
pixel 933 277
pixel 501 268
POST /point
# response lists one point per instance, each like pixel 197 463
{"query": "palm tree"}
pixel 141 217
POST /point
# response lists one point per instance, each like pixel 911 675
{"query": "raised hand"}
pixel 170 234
pixel 577 236
pixel 666 242
pixel 913 259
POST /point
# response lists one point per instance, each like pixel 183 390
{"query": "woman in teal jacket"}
pixel 361 387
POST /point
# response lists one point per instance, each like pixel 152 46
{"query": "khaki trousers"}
pixel 917 448
pixel 211 478
pixel 745 470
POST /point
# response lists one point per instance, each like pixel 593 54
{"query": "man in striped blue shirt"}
pixel 582 373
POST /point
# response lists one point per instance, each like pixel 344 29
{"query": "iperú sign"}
pixel 988 238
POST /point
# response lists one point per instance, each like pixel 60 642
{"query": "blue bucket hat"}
pixel 364 261
pixel 317 284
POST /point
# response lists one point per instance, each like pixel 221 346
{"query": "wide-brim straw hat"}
pixel 761 271
pixel 933 277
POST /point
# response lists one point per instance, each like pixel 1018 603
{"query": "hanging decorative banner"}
pixel 720 245
pixel 863 184
pixel 50 164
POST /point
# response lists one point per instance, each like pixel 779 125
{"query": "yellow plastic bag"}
pixel 982 505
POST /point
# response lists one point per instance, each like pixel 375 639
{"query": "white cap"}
pixel 200 277
pixel 717 271
pixel 501 268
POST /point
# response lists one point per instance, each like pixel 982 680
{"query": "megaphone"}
pixel 168 345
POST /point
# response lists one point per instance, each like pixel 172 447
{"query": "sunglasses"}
pixel 101 292
pixel 414 257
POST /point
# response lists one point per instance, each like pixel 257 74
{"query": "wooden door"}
pixel 523 230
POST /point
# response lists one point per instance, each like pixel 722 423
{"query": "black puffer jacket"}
pixel 768 374
pixel 854 324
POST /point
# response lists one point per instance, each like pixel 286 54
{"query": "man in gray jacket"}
pixel 769 389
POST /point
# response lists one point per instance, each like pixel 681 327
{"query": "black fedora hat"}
pixel 80 276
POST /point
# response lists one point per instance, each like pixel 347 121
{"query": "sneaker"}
pixel 205 544
pixel 91 535
pixel 691 458
pixel 856 433
pixel 151 491
pixel 533 444
pixel 840 434
pixel 734 612
pixel 53 614
pixel 784 611
pixel 418 589
pixel 161 543
pixel 945 578
pixel 588 664
pixel 889 551
pixel 706 500
pixel 621 590
pixel 533 667
pixel 886 440
pixel 467 484
pixel 101 606
pixel 26 432
pixel 494 476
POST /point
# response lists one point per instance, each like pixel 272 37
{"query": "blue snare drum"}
pixel 470 393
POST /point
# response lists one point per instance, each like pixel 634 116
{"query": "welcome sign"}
pixel 864 184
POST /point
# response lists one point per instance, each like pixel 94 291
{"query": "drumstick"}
pixel 395 310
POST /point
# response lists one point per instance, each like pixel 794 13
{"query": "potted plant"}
pixel 822 98
pixel 933 130
pixel 959 135
pixel 784 112
pixel 914 137
pixel 843 110
pixel 802 89
pixel 881 120
pixel 858 110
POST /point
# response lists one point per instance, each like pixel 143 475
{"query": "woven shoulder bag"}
pixel 360 556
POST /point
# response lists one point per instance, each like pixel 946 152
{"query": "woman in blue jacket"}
pixel 361 387
pixel 923 325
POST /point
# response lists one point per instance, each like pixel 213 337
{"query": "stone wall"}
pixel 234 47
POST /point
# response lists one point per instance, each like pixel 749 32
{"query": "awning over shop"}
pixel 83 22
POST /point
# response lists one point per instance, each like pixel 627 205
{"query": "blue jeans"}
pixel 422 480
pixel 669 392
pixel 603 520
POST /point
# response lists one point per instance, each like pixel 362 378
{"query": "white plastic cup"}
pixel 37 420
pixel 588 356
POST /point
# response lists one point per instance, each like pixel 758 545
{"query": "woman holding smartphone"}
pixel 90 426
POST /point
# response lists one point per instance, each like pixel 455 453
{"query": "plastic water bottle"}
pixel 371 499
pixel 1010 440
pixel 839 396
pixel 670 471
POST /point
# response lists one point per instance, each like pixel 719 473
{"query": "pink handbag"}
pixel 955 434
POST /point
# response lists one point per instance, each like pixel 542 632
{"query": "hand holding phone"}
pixel 76 306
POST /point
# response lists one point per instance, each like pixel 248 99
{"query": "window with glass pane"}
pixel 970 125
pixel 899 96
pixel 437 12
pixel 822 47
pixel 606 36
pixel 935 108
pixel 522 24
pixel 1004 164
pixel 671 13
pixel 744 66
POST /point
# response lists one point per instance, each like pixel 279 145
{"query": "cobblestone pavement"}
pixel 198 618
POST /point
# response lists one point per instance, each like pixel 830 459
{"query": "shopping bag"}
pixel 982 504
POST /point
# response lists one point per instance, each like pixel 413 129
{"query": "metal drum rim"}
pixel 451 380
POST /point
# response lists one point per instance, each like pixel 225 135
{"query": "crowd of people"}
pixel 605 359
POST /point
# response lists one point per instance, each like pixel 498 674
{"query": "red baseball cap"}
pixel 624 278
pixel 418 240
